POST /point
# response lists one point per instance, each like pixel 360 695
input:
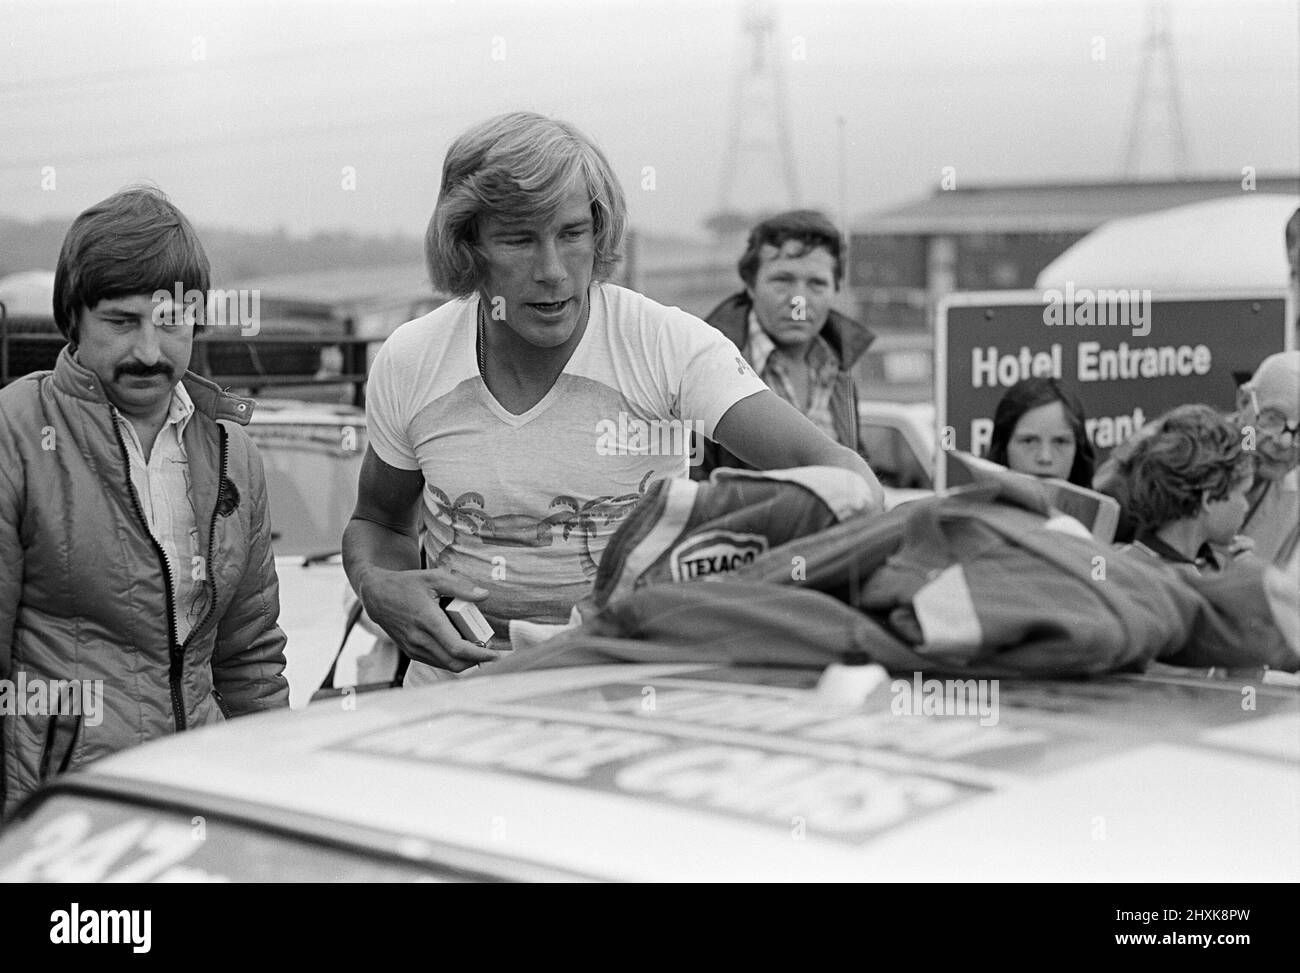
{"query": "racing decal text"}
pixel 715 552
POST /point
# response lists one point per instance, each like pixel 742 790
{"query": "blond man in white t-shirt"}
pixel 520 423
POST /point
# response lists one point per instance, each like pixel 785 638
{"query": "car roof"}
pixel 672 772
pixel 919 414
pixel 297 412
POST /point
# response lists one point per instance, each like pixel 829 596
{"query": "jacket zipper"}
pixel 855 432
pixel 209 578
pixel 221 702
pixel 174 650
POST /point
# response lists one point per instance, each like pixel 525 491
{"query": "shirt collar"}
pixel 760 345
pixel 182 406
pixel 820 354
pixel 1204 557
pixel 179 409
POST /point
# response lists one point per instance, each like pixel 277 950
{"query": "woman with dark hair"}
pixel 1040 429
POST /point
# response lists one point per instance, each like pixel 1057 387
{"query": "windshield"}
pixel 76 838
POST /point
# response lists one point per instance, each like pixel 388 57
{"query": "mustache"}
pixel 143 371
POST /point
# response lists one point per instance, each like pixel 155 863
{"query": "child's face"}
pixel 1225 517
pixel 1042 444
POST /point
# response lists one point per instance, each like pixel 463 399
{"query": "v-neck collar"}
pixel 544 403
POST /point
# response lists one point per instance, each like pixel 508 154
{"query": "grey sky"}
pixel 247 113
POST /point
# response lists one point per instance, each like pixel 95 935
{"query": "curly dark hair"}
pixel 809 228
pixel 1192 451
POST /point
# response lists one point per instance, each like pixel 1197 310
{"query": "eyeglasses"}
pixel 1273 423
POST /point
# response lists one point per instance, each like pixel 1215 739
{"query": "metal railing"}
pixel 256 354
pixel 353 370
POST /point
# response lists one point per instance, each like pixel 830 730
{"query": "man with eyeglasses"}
pixel 1269 404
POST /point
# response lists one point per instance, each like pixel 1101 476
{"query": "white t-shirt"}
pixel 524 505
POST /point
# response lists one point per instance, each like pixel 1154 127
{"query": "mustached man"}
pixel 133 512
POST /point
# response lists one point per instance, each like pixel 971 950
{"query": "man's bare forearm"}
pixel 368 545
pixel 829 453
pixel 849 460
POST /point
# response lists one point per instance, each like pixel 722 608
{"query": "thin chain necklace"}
pixel 482 355
pixel 481 343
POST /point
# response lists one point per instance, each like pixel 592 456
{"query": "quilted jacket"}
pixel 84 587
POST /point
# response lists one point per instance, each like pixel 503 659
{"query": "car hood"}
pixel 669 772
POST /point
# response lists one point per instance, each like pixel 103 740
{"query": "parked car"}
pixel 695 773
pixel 899 366
pixel 312 453
pixel 899 444
pixel 29 339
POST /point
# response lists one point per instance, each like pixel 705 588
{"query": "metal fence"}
pixel 232 361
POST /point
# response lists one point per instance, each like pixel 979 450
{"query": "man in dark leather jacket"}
pixel 784 325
